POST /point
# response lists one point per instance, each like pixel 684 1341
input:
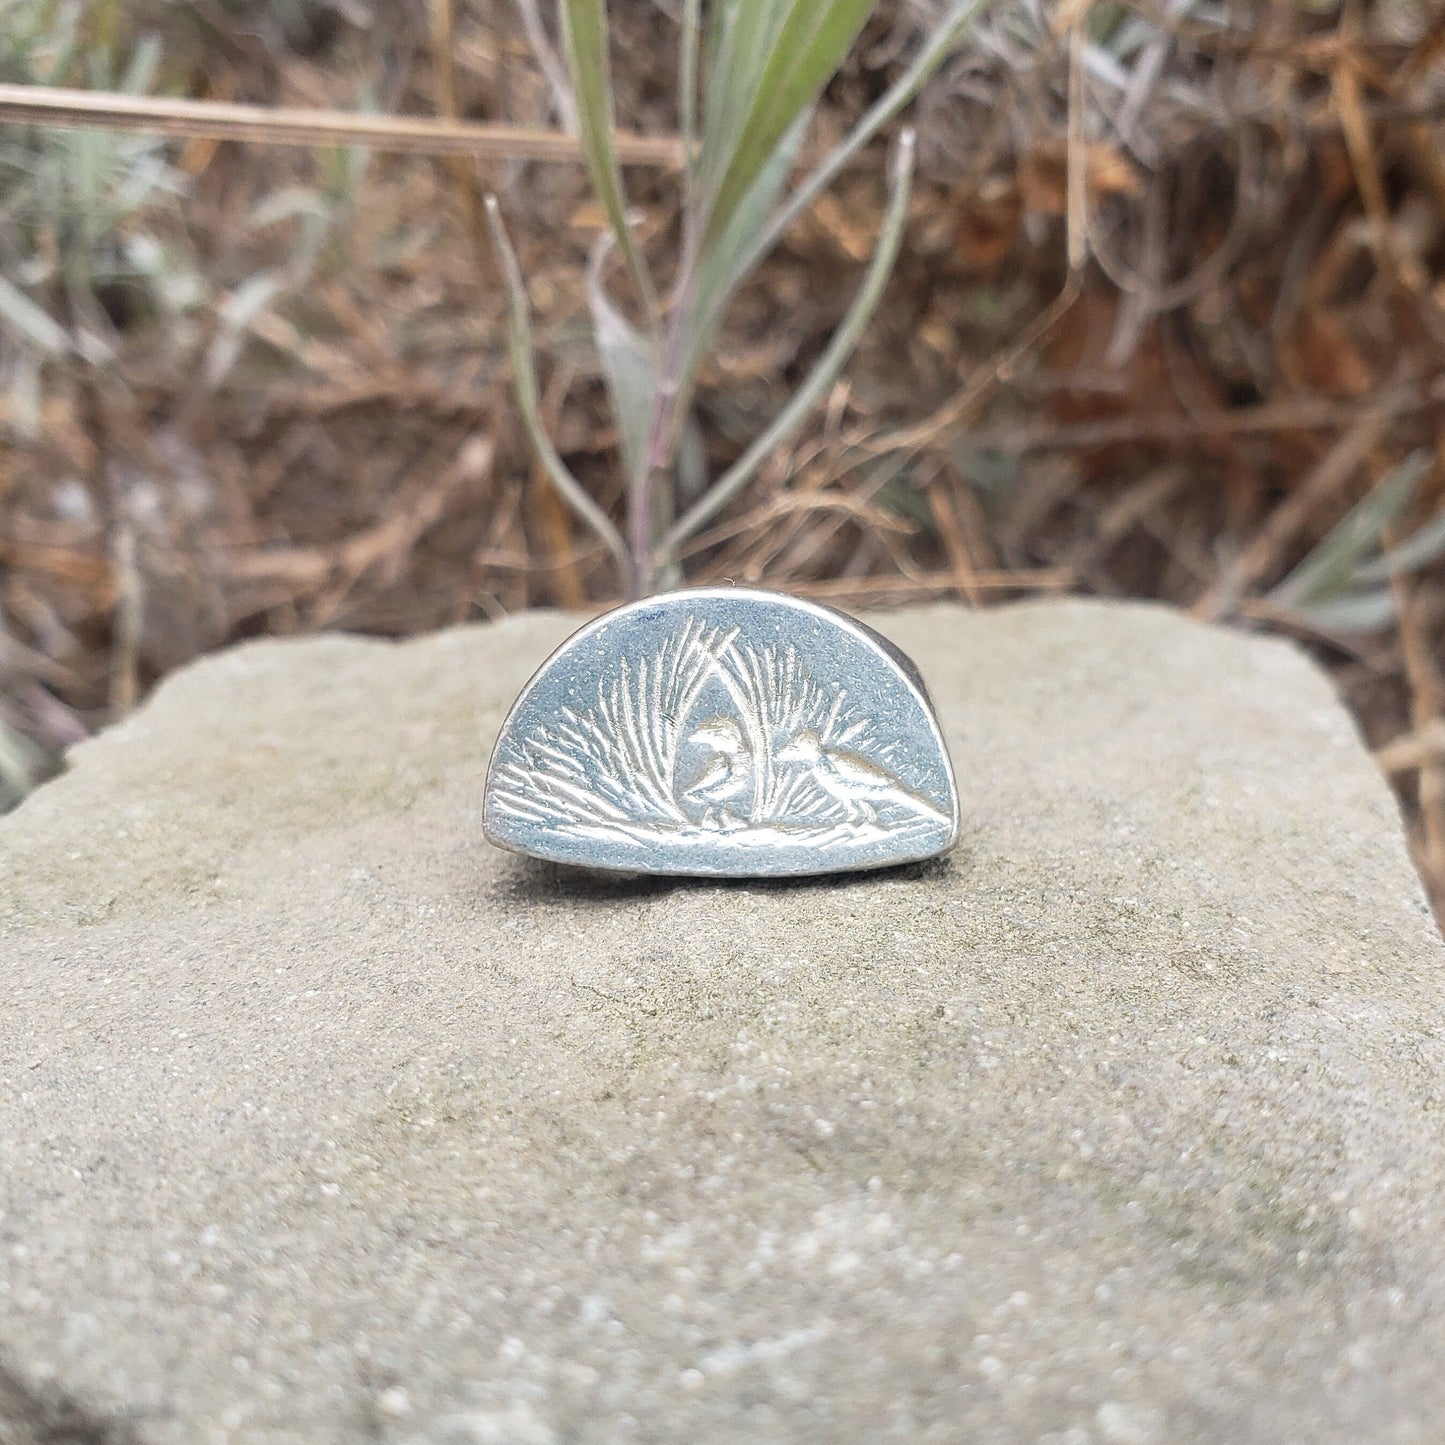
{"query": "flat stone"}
pixel 323 1120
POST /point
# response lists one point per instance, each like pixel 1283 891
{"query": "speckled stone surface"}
pixel 322 1121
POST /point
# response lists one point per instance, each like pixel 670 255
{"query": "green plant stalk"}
pixel 584 40
pixel 524 383
pixel 824 373
pixel 659 444
pixel 681 332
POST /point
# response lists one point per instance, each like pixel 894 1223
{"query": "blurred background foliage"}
pixel 1167 321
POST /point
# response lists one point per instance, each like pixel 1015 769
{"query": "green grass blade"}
pixel 629 362
pixel 938 48
pixel 1426 544
pixel 145 61
pixel 721 266
pixel 19 313
pixel 24 765
pixel 1349 612
pixel 584 46
pixel 825 371
pixel 803 55
pixel 739 36
pixel 524 384
pixel 1334 565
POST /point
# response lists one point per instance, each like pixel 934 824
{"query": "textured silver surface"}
pixel 727 732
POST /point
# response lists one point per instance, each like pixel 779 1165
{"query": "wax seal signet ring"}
pixel 725 732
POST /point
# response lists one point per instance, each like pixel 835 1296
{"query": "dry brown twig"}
pixel 944 509
pixel 1414 750
pixel 328 573
pixel 280 125
pixel 553 517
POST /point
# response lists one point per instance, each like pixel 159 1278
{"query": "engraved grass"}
pixel 711 736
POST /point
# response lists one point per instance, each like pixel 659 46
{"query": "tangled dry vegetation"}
pixel 1169 322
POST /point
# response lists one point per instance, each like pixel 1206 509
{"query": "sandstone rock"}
pixel 321 1120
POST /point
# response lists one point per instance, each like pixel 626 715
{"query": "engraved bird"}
pixel 728 773
pixel 857 782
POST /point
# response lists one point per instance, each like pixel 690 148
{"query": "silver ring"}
pixel 723 732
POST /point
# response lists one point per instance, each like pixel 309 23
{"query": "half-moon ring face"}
pixel 723 732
